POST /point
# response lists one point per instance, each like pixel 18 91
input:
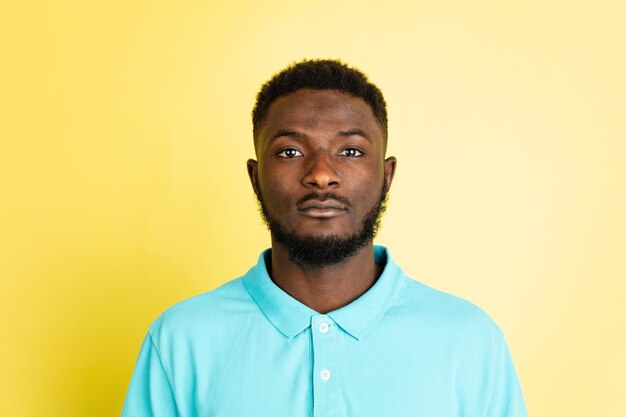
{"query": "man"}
pixel 326 324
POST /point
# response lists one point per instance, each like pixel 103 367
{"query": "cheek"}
pixel 367 183
pixel 275 191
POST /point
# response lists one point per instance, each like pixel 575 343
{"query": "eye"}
pixel 351 152
pixel 289 153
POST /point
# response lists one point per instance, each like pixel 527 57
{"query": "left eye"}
pixel 351 152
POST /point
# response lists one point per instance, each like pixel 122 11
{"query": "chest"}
pixel 322 372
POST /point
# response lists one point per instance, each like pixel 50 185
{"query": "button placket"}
pixel 325 367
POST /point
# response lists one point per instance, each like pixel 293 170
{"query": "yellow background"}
pixel 125 130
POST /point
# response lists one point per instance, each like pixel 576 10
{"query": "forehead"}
pixel 320 110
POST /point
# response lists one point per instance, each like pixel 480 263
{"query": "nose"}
pixel 320 173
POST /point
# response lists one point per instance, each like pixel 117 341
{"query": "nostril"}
pixel 321 179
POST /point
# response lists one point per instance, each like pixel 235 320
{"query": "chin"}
pixel 321 236
pixel 323 231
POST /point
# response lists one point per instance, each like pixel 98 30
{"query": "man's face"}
pixel 321 173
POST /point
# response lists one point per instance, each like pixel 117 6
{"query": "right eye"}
pixel 289 153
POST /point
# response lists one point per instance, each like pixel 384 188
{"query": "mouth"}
pixel 322 208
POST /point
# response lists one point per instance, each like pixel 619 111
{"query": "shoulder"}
pixel 445 313
pixel 210 310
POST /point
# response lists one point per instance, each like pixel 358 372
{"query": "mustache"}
pixel 324 196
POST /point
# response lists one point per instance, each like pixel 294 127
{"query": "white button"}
pixel 325 374
pixel 323 327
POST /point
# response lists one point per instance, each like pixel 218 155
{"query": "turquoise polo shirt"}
pixel 249 349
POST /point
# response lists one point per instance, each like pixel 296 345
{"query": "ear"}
pixel 253 174
pixel 390 171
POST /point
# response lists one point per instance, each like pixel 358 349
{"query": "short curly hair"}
pixel 319 74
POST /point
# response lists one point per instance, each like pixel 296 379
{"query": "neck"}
pixel 327 288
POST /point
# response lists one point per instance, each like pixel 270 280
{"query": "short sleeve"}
pixel 149 393
pixel 506 398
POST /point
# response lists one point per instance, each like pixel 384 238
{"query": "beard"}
pixel 312 252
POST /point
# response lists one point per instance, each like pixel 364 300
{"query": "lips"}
pixel 322 208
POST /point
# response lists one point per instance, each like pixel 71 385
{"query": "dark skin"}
pixel 319 141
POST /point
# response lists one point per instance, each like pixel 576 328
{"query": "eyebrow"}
pixel 299 135
pixel 354 132
pixel 289 134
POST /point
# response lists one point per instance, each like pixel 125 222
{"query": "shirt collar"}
pixel 291 317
